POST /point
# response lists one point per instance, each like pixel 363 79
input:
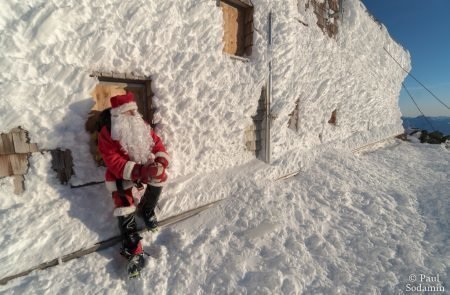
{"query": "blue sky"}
pixel 423 28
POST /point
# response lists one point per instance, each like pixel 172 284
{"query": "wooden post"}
pixel 19 184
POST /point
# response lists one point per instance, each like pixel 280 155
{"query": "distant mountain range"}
pixel 440 123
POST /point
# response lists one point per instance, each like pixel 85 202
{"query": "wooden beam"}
pixel 239 3
pixel 19 184
pixel 359 149
pixel 20 142
pixel 128 79
pixel 5 166
pixel 6 144
pixel 68 165
pixel 34 148
pixel 62 164
pixel 19 163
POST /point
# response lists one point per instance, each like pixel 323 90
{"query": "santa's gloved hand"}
pixel 163 158
pixel 146 172
pixel 163 161
pixel 159 180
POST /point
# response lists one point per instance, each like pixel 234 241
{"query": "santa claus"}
pixel 134 155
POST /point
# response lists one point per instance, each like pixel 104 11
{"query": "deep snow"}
pixel 349 224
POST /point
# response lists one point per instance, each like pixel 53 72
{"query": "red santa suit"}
pixel 118 162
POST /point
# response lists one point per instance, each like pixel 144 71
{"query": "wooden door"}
pixel 140 97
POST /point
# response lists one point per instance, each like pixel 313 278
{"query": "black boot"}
pixel 150 219
pixel 148 205
pixel 131 238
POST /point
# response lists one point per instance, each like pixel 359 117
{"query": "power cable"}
pixel 417 80
pixel 429 122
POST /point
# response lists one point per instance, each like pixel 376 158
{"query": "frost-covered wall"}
pixel 205 98
pixel 351 74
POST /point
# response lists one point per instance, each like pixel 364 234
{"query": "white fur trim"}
pixel 128 169
pixel 157 183
pixel 160 169
pixel 122 211
pixel 138 194
pixel 162 155
pixel 111 185
pixel 123 108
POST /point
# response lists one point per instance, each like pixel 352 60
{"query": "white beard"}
pixel 133 133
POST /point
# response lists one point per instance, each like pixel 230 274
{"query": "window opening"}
pixel 327 13
pixel 333 118
pixel 293 117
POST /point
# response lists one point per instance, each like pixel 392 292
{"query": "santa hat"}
pixel 123 103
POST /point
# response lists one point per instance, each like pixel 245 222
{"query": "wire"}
pixel 429 122
pixel 416 80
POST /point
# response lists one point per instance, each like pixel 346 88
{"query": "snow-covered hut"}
pixel 224 81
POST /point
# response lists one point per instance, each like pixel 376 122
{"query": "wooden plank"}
pixel 333 4
pixel 68 165
pixel 139 95
pixel 109 78
pixel 321 22
pixel 19 163
pixel 5 166
pixel 238 3
pixel 57 160
pixel 19 184
pixel 289 175
pixel 118 75
pixel 231 26
pixel 20 142
pixel 2 148
pixel 106 74
pixel 149 102
pixel 374 143
pixel 7 144
pixel 333 118
pixel 62 163
pixel 293 120
pixel 58 164
pixel 248 40
pixel 33 148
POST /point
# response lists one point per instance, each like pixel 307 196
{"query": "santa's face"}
pixel 134 136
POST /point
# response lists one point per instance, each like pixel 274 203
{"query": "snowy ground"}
pixel 347 224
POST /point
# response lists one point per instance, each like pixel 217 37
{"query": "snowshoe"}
pixel 135 264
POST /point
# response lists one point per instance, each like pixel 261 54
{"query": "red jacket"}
pixel 118 162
